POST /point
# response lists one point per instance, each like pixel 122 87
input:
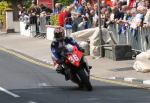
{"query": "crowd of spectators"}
pixel 85 15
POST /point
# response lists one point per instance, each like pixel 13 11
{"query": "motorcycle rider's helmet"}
pixel 59 33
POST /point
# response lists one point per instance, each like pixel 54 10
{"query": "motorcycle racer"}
pixel 57 47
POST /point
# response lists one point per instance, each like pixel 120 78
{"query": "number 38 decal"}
pixel 73 58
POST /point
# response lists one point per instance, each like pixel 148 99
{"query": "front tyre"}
pixel 85 80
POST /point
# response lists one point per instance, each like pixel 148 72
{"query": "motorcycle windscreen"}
pixel 75 57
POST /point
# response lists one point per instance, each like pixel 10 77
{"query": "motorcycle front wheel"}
pixel 85 79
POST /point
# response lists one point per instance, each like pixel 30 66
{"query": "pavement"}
pixel 39 49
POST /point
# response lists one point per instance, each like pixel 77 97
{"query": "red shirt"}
pixel 61 18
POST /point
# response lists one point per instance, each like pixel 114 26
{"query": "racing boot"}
pixel 67 74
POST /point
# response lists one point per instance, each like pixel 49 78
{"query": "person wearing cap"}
pixel 147 16
pixel 139 17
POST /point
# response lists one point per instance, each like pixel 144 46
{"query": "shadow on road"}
pixel 70 94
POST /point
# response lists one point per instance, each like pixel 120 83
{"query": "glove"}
pixel 60 61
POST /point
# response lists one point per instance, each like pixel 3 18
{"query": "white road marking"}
pixel 8 92
pixel 32 102
pixel 129 79
pixel 111 78
pixel 43 84
pixel 147 82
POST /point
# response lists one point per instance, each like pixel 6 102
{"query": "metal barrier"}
pixel 145 40
pixel 139 39
pixel 53 20
pixel 42 23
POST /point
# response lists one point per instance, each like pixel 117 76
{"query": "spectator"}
pixel 61 17
pixel 89 6
pixel 147 4
pixel 76 20
pixel 45 8
pixel 68 19
pixel 121 14
pixel 34 21
pixel 147 16
pixel 78 8
pixel 137 21
pixel 21 10
pixel 87 15
pixel 124 2
pixel 26 20
pixel 95 17
pixel 87 11
pixel 113 13
pixel 32 9
pixel 91 16
pixel 139 17
pixel 128 16
pixel 42 20
pixel 58 8
pixel 84 24
pixel 107 19
pixel 141 3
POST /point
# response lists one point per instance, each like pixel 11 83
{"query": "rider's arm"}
pixel 73 42
pixel 54 53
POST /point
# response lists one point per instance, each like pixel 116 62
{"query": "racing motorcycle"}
pixel 75 68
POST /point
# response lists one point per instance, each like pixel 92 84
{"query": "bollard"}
pixel 9 21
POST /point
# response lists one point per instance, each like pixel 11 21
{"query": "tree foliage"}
pixel 54 20
pixel 3 6
pixel 25 3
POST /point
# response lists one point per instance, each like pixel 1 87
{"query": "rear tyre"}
pixel 85 80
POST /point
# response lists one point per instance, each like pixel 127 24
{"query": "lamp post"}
pixel 100 29
pixel 53 6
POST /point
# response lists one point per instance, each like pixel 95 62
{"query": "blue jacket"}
pixel 56 47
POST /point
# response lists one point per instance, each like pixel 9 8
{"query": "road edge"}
pixel 27 57
pixel 132 82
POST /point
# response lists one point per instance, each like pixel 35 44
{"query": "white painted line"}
pixel 8 92
pixel 32 102
pixel 147 82
pixel 43 84
pixel 129 79
pixel 112 78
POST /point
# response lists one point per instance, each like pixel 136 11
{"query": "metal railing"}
pixel 139 39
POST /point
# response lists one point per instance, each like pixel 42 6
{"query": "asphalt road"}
pixel 24 82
